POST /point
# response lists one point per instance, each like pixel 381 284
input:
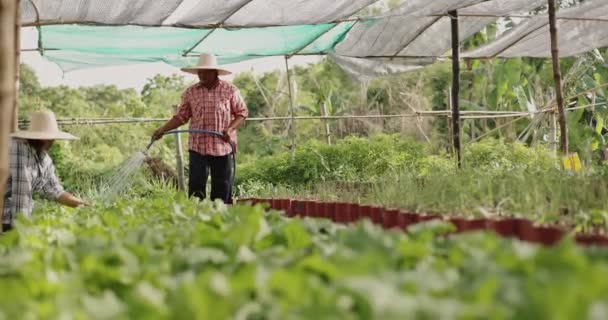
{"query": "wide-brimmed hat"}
pixel 43 126
pixel 206 62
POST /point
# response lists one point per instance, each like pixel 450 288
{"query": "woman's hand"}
pixel 70 200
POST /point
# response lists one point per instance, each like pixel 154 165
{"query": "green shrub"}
pixel 351 159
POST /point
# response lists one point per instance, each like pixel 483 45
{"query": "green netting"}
pixel 329 40
pixel 77 47
pixel 268 41
pixel 126 40
pixel 88 46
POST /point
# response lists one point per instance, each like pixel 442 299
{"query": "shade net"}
pixel 365 69
pixel 531 37
pixel 239 13
pixel 86 46
pixel 145 12
pixel 176 31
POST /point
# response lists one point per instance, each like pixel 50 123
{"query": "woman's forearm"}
pixel 68 199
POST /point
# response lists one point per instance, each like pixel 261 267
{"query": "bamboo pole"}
pixel 326 123
pixel 557 76
pixel 456 85
pixel 438 113
pixel 51 22
pixel 15 118
pixel 449 120
pixel 469 63
pixel 179 159
pixel 553 134
pixel 292 122
pixel 7 86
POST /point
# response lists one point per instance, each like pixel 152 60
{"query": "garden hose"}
pixel 213 133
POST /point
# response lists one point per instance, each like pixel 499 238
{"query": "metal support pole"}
pixel 557 76
pixel 456 85
pixel 179 159
pixel 292 122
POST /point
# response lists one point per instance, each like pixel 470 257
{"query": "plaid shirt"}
pixel 28 174
pixel 211 109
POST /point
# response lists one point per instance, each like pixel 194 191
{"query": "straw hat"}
pixel 206 62
pixel 43 126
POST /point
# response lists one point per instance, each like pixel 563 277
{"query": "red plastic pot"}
pixel 342 213
pixel 265 203
pixel 543 235
pixel 268 202
pixel 299 208
pixel 365 212
pixel 466 225
pixel 549 236
pixel 505 228
pixel 354 212
pixel 275 204
pixel 330 211
pixel 376 215
pixel 592 240
pixel 285 205
pixel 310 208
pixel 390 218
pixel 320 209
pixel 407 219
pixel 525 230
pixel 428 217
pixel 460 224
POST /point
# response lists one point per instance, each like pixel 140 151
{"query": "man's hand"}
pixel 158 133
pixel 227 134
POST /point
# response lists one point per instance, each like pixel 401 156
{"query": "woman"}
pixel 32 170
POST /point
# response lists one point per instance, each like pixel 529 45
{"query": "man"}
pixel 216 105
pixel 32 170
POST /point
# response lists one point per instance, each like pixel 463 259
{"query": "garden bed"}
pixel 344 213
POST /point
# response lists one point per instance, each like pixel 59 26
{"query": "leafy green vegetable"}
pixel 173 258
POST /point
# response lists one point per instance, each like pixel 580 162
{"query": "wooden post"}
pixel 7 86
pixel 472 123
pixel 557 76
pixel 553 134
pixel 449 121
pixel 15 123
pixel 326 123
pixel 456 85
pixel 179 159
pixel 292 122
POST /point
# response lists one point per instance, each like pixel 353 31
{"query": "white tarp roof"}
pixel 580 29
pixel 419 29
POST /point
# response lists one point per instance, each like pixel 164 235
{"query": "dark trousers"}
pixel 221 176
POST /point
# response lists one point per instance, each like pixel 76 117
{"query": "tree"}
pixel 256 101
pixel 160 93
